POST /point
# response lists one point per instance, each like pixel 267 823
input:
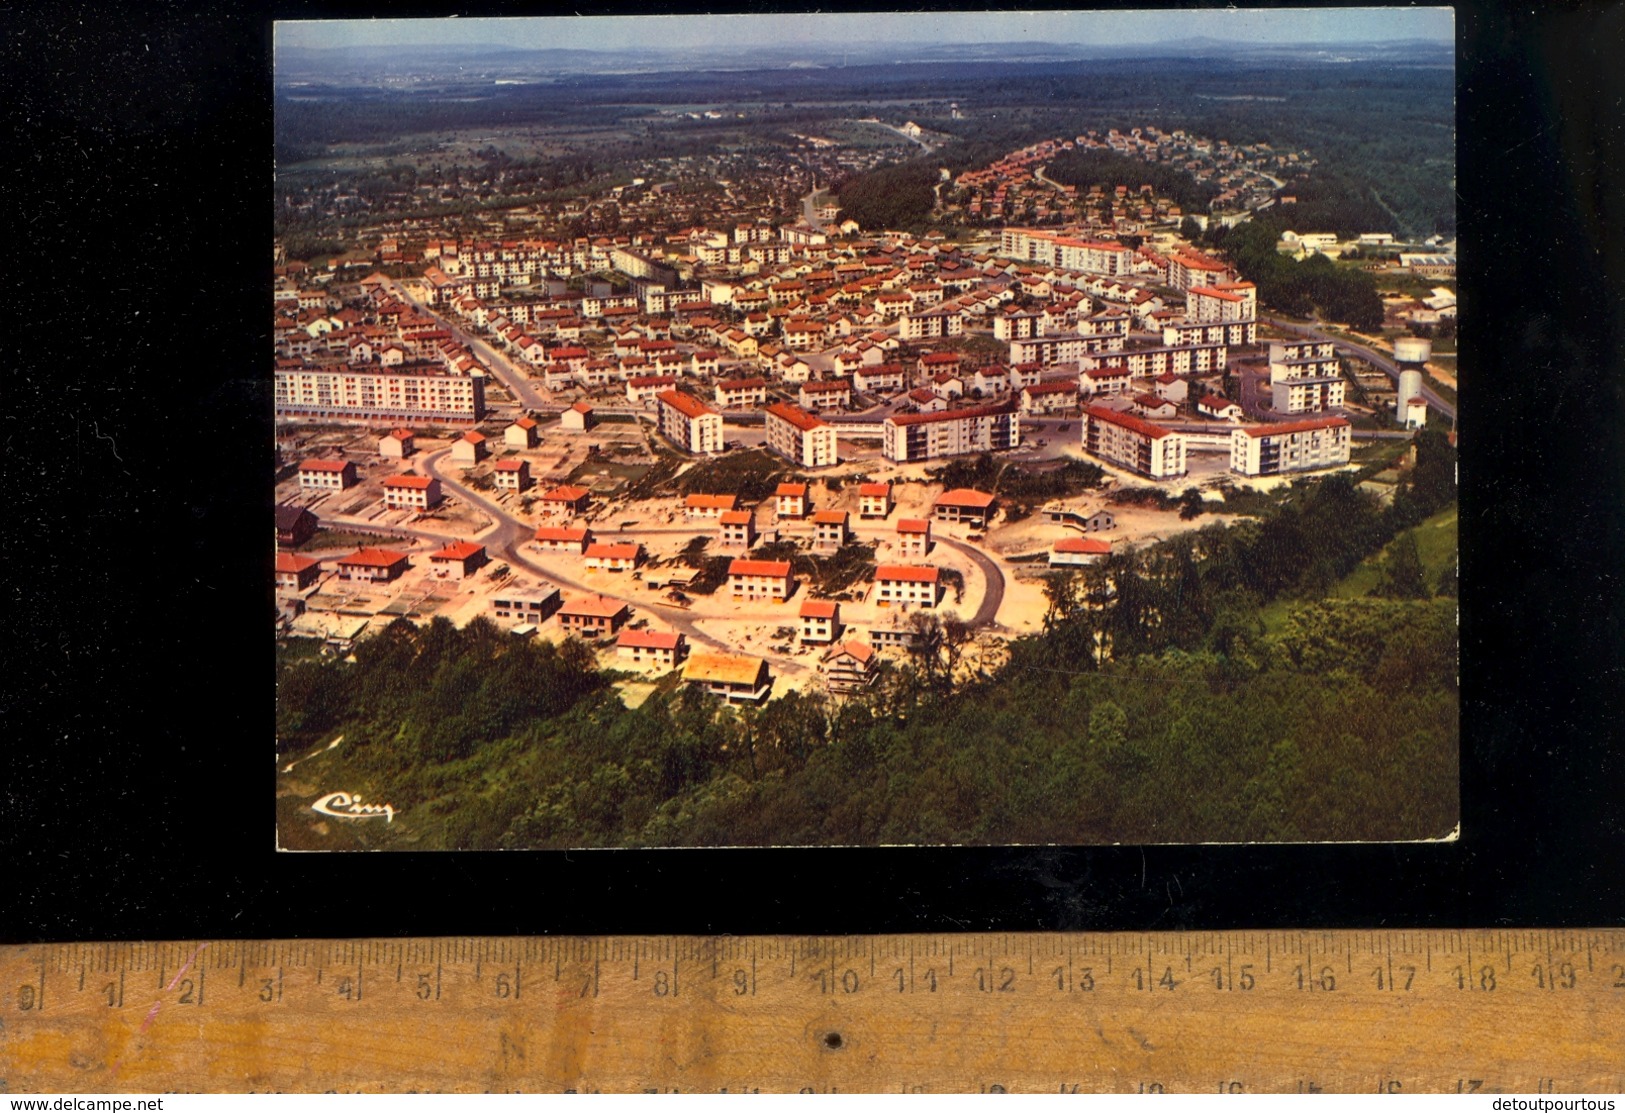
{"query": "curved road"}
pixel 990 572
pixel 1383 363
pixel 512 533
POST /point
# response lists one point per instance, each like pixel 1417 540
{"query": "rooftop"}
pixel 724 668
pixel 743 566
pixel 917 574
pixel 593 606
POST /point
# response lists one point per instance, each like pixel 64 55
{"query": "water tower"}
pixel 1411 353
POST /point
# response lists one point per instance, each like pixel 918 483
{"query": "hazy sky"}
pixel 1317 25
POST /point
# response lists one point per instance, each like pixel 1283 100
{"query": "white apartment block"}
pixel 1233 305
pixel 1133 443
pixel 689 423
pixel 799 436
pixel 1305 376
pixel 379 393
pixel 1148 363
pixel 1065 347
pixel 1290 446
pixel 1059 250
pixel 912 437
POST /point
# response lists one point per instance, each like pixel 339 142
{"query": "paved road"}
pixel 809 211
pixel 513 533
pixel 990 571
pixel 1383 363
pixel 498 364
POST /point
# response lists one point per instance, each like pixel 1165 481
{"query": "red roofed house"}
pixel 578 418
pixel 829 530
pixel 459 560
pixel 470 450
pixel 874 500
pixel 591 615
pixel 295 572
pixel 565 500
pixel 820 621
pixel 790 500
pixel 708 506
pixel 913 537
pixel 397 444
pixel 933 362
pixel 614 557
pixel 737 529
pixel 849 667
pixel 906 585
pixel 372 565
pixel 327 475
pixel 759 579
pixel 511 475
pixel 1078 550
pixel 963 505
pixel 650 649
pixel 825 394
pixel 1044 398
pixel 1151 406
pixel 1214 405
pixel 411 492
pixel 522 434
pixel 563 539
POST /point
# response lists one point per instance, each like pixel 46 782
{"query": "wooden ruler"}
pixel 1247 1011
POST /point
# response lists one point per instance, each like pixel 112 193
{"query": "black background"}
pixel 138 709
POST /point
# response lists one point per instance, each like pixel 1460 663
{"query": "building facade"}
pixel 379 393
pixel 689 423
pixel 799 436
pixel 912 437
pixel 1133 443
pixel 1291 446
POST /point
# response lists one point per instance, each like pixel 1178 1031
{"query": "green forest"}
pixel 1299 287
pixel 1156 705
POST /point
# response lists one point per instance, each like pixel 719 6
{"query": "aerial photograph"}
pixel 861 430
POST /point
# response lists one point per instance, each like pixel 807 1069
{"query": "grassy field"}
pixel 1435 540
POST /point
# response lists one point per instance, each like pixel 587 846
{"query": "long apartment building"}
pixel 368 393
pixel 799 436
pixel 912 437
pixel 1064 348
pixel 1148 363
pixel 1321 442
pixel 1133 443
pixel 1057 249
pixel 1305 376
pixel 689 423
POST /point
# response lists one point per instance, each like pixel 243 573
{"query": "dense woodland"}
pixel 1301 287
pixel 1154 706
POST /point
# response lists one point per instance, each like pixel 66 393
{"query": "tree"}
pixel 1190 503
pixel 1190 230
pixel 1402 576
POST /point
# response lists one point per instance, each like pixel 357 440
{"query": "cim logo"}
pixel 345 805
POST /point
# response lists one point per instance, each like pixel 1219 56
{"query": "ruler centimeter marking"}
pixel 1240 1011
